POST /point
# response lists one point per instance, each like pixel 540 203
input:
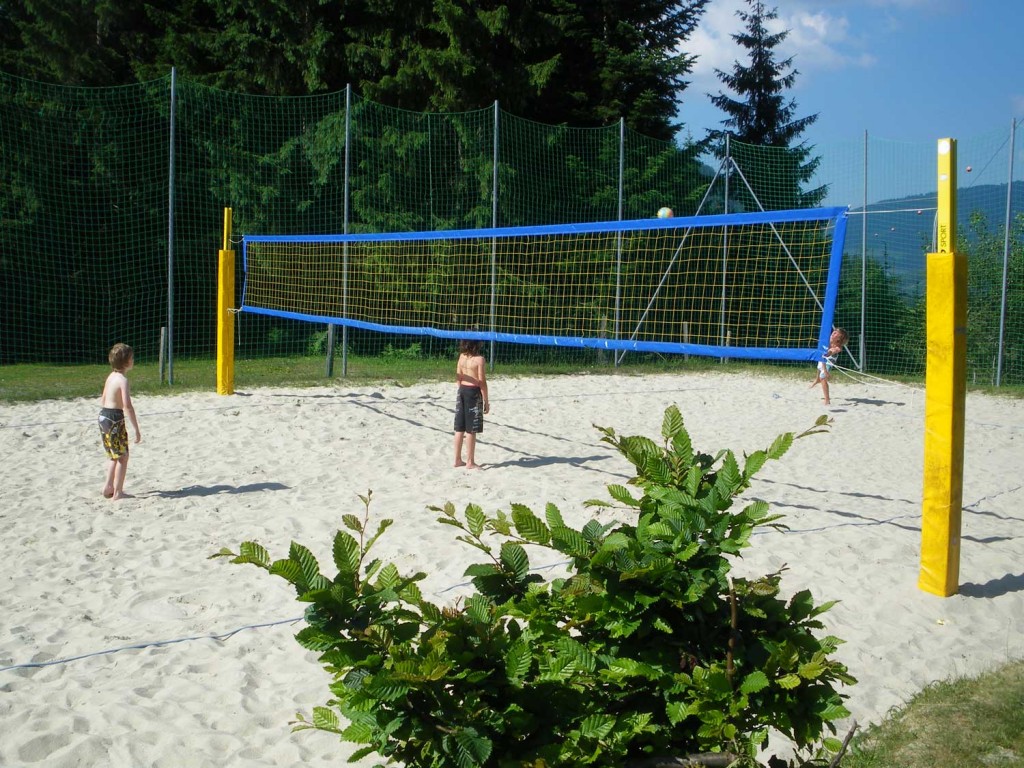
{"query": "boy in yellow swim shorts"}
pixel 114 404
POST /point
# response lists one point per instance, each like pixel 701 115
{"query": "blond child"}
pixel 471 402
pixel 115 402
pixel 836 342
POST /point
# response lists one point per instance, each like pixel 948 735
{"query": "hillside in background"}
pixel 899 231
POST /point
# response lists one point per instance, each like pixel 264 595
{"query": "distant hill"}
pixel 900 230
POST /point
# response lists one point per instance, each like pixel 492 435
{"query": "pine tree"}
pixel 622 58
pixel 583 63
pixel 72 42
pixel 761 116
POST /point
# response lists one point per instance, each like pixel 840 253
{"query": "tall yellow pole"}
pixel 225 319
pixel 945 393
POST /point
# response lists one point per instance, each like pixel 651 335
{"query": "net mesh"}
pixel 83 220
pixel 756 286
pixel 103 238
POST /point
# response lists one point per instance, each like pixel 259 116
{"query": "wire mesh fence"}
pixel 112 208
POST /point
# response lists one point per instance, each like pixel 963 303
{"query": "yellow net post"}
pixel 225 318
pixel 945 391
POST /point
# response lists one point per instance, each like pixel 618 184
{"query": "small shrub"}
pixel 413 352
pixel 275 338
pixel 647 650
pixel 316 344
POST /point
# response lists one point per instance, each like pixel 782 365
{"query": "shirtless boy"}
pixel 471 402
pixel 114 404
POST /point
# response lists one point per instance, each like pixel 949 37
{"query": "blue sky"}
pixel 911 70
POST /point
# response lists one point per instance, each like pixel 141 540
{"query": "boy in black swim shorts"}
pixel 471 402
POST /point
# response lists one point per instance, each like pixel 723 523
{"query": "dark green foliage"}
pixel 894 329
pixel 72 43
pixel 86 208
pixel 894 323
pixel 562 61
pixel 620 58
pixel 86 184
pixel 68 219
pixel 984 247
pixel 649 647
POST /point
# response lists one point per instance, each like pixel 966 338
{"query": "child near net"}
pixel 836 342
pixel 471 402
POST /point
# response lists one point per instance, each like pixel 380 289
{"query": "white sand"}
pixel 80 575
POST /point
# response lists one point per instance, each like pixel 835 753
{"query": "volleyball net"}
pixel 748 285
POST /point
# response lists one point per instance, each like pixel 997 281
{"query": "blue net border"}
pixel 796 354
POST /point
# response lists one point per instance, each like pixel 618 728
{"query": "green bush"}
pixel 316 344
pixel 648 649
pixel 413 352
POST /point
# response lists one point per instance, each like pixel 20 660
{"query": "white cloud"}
pixel 712 43
pixel 820 41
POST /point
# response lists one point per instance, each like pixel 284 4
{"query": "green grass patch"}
pixel 967 723
pixel 43 381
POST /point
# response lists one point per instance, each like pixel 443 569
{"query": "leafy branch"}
pixel 649 653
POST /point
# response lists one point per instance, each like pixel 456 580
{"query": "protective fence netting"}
pixel 112 199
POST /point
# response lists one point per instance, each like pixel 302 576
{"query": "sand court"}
pixel 151 654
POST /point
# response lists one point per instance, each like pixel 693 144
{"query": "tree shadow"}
pixel 532 462
pixel 870 401
pixel 214 490
pixel 325 395
pixel 853 494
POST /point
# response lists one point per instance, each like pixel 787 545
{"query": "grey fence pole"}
pixel 494 223
pixel 332 327
pixel 170 231
pixel 618 235
pixel 344 251
pixel 725 244
pixel 864 265
pixel 1006 253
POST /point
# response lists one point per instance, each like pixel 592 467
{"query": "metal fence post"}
pixel 723 334
pixel 494 223
pixel 1006 253
pixel 170 232
pixel 348 194
pixel 864 264
pixel 618 235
